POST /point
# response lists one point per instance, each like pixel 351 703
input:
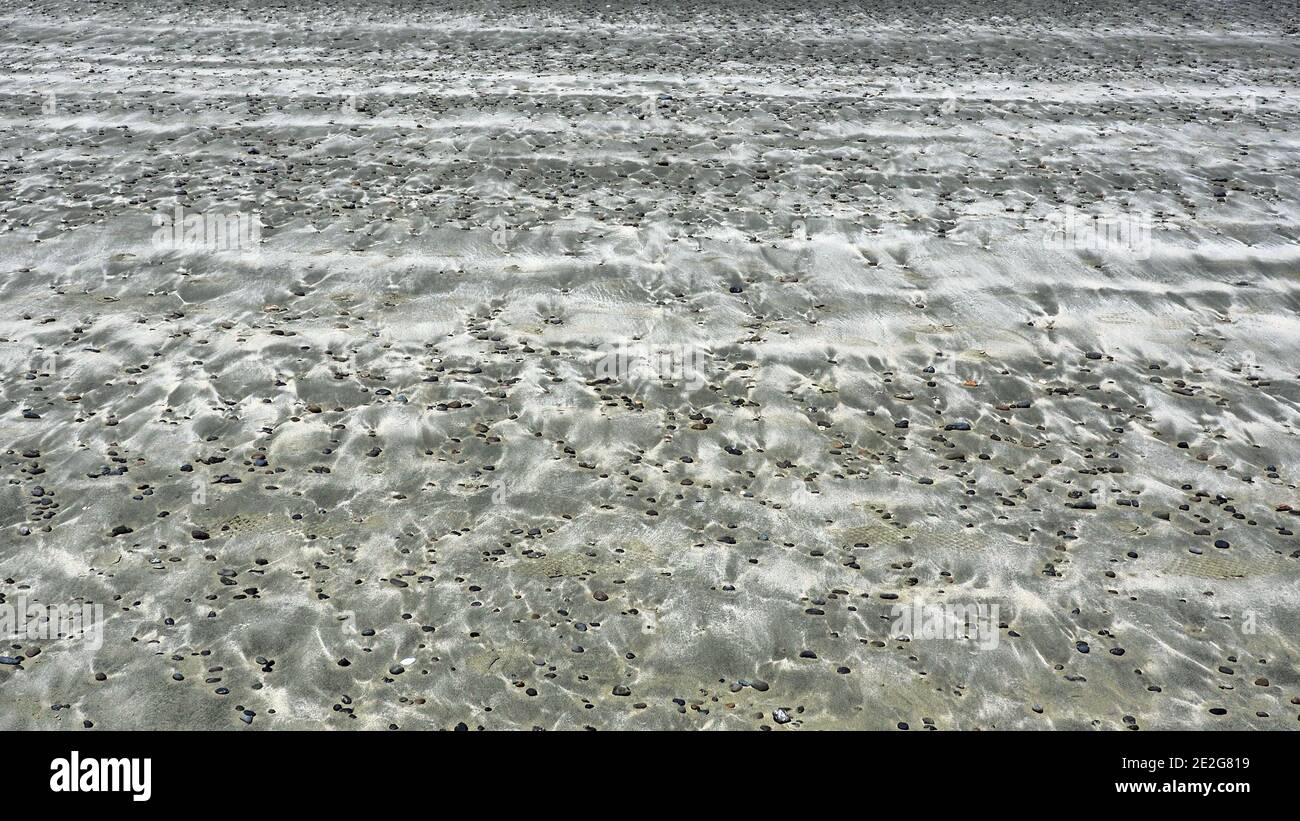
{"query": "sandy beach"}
pixel 650 366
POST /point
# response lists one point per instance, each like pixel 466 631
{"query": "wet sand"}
pixel 371 466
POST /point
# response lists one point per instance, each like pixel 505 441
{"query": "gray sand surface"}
pixel 373 468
